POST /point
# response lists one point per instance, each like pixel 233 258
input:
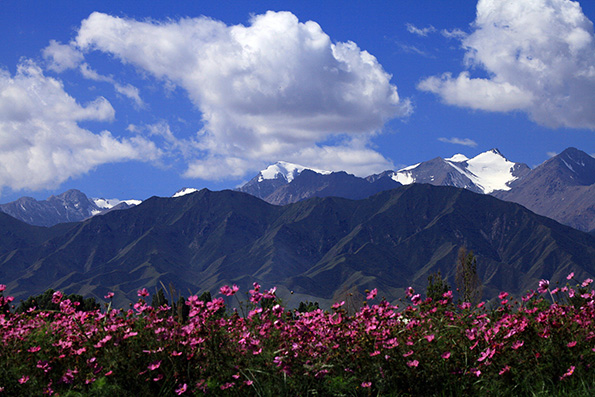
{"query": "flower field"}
pixel 541 344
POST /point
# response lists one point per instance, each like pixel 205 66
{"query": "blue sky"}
pixel 134 99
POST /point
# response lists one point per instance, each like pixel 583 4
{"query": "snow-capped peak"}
pixel 184 191
pixel 488 170
pixel 458 158
pixel 285 170
pixel 111 203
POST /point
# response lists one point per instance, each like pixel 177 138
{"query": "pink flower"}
pixel 446 355
pixel 338 305
pixel 475 371
pixel 569 372
pixel 109 295
pixel 142 292
pixel 517 344
pixel 503 295
pixel 543 286
pixel 154 365
pixel 571 344
pixel 2 287
pixel 412 363
pixel 429 337
pixel 366 384
pixel 571 275
pixel 372 294
pixel 226 385
pixel 34 349
pixel 504 370
pixel 182 389
pixel 587 282
pixel 410 352
pixel 489 353
pixel 57 297
pixel 416 299
pixel 24 380
pixel 229 291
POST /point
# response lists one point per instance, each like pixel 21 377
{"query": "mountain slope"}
pixel 316 247
pixel 562 188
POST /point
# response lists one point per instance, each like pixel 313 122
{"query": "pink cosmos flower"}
pixel 416 299
pixel 429 337
pixel 24 380
pixel 517 344
pixel 372 294
pixel 142 292
pixel 2 287
pixel 154 365
pixel 569 372
pixel 543 286
pixel 571 344
pixel 229 291
pixel 503 295
pixel 475 371
pixel 366 384
pixel 504 370
pixel 413 363
pixel 109 295
pixel 338 305
pixel 587 282
pixel 182 389
pixel 571 275
pixel 57 297
pixel 446 355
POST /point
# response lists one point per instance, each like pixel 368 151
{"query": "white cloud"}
pixel 459 141
pixel 127 90
pixel 61 56
pixel 420 31
pixel 453 34
pixel 539 56
pixel 266 91
pixel 41 144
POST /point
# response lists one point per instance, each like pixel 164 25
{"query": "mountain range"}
pixel 562 188
pixel 70 206
pixel 319 248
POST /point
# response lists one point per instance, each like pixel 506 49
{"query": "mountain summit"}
pixel 484 173
pixel 562 188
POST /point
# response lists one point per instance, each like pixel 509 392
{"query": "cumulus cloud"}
pixel 61 57
pixel 459 141
pixel 539 56
pixel 266 91
pixel 41 143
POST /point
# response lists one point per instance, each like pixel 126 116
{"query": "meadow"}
pixel 540 344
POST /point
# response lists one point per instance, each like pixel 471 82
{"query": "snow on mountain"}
pixel 488 171
pixel 106 204
pixel 184 191
pixel 285 170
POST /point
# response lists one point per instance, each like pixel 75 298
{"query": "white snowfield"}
pixel 285 170
pixel 184 191
pixel 106 204
pixel 489 170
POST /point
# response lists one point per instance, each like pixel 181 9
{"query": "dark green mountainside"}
pixel 319 248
